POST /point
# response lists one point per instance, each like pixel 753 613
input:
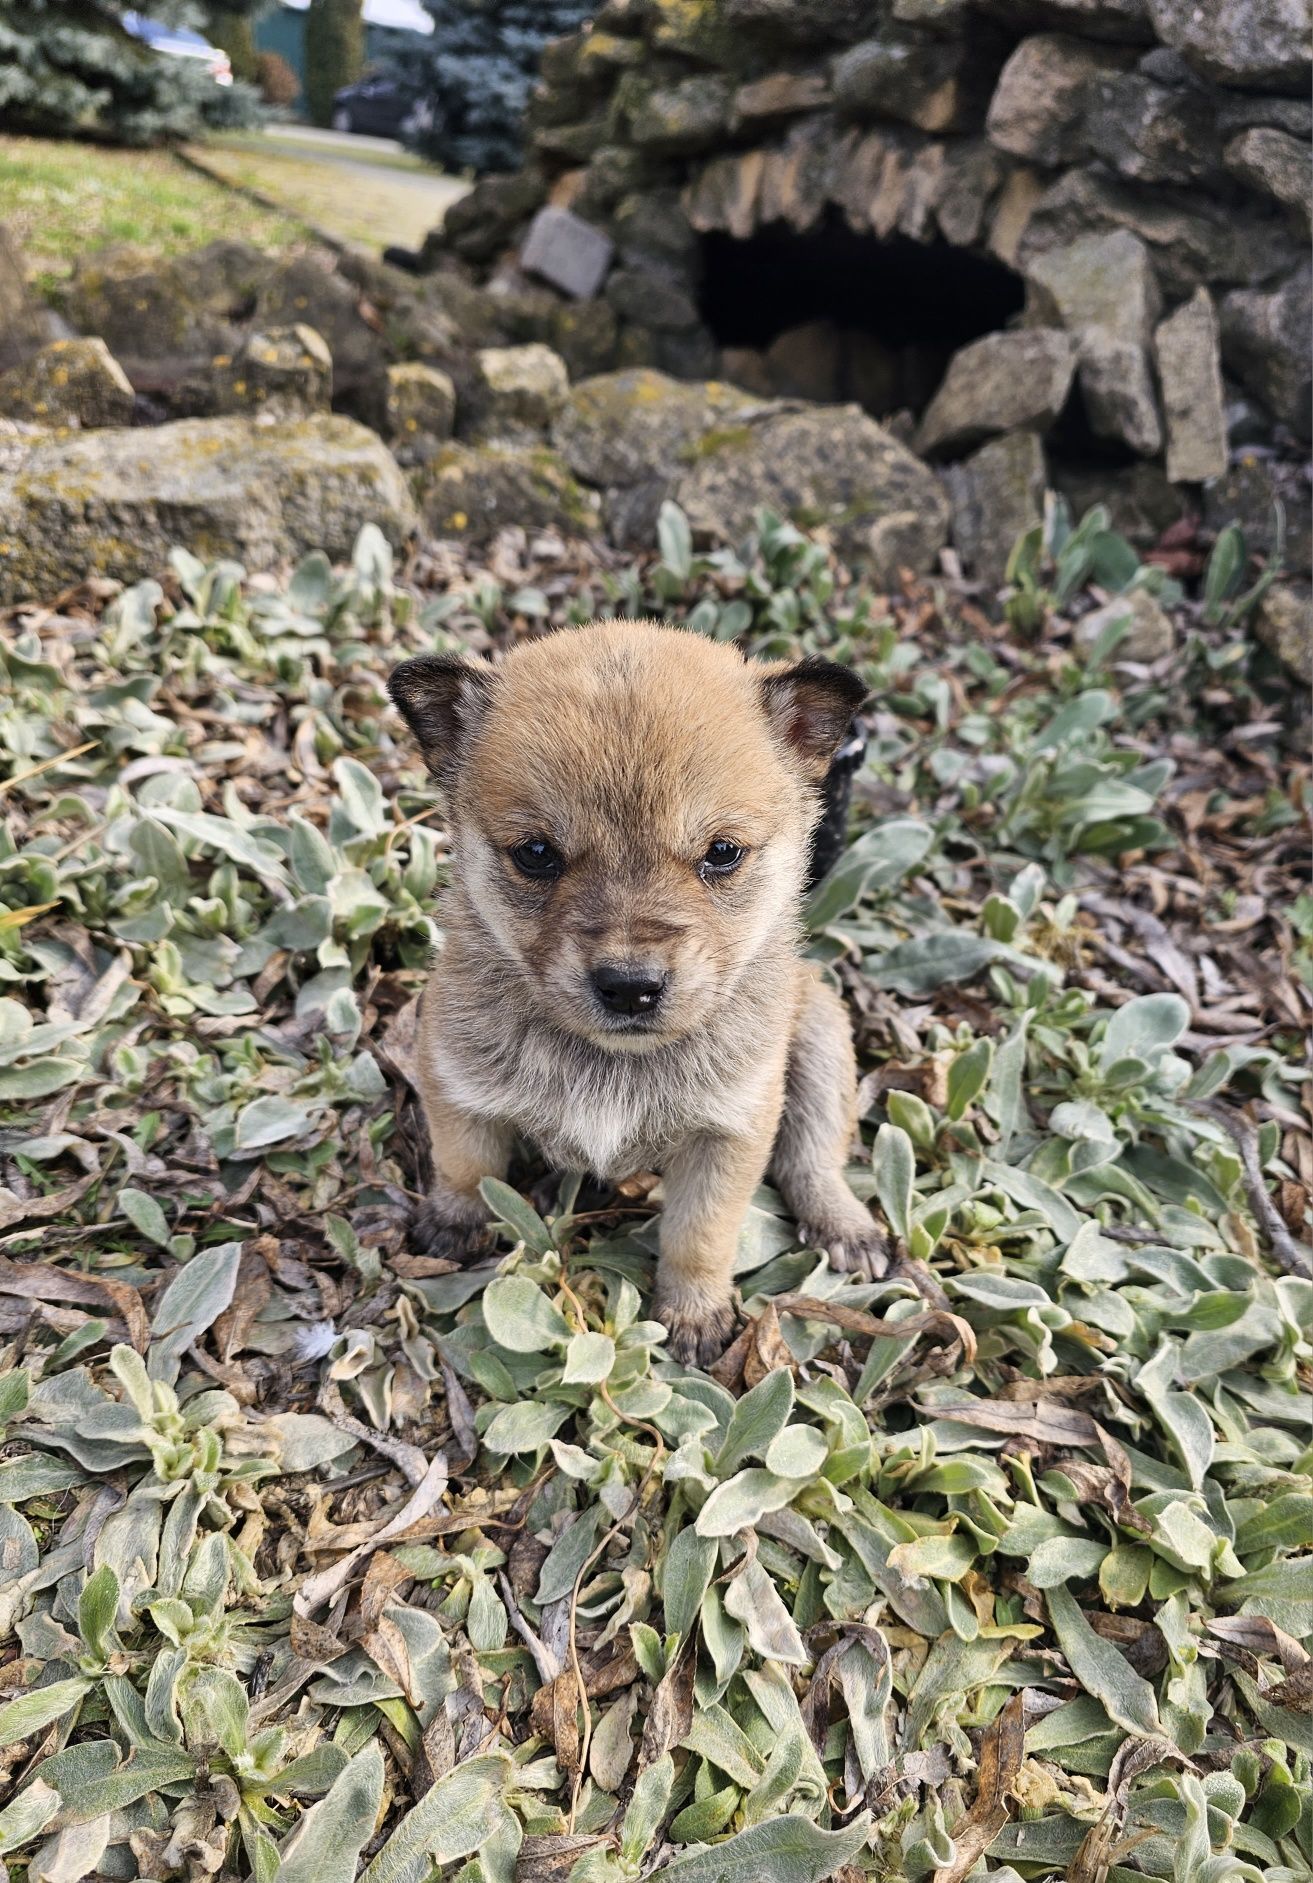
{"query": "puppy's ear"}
pixel 442 698
pixel 810 706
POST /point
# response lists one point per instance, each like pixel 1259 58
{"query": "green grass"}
pixel 61 199
pixel 367 196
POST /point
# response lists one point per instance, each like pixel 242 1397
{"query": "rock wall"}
pixel 1142 165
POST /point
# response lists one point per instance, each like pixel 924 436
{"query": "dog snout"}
pixel 628 987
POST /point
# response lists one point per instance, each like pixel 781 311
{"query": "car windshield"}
pixel 152 32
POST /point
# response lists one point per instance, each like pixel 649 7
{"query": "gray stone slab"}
pixel 567 251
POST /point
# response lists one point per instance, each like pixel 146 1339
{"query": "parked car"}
pixel 178 42
pixel 381 105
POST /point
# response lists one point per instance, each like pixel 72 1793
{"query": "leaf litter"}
pixel 325 1559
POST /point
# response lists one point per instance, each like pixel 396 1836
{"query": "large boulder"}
pixel 1005 382
pixel 1259 43
pixel 827 466
pixel 472 491
pixel 997 494
pixel 1190 373
pixel 632 433
pixel 1103 291
pixel 69 382
pixel 1265 343
pixel 114 502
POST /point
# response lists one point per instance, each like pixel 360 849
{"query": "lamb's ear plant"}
pixel 325 1560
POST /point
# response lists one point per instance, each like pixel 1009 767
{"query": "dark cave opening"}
pixel 831 314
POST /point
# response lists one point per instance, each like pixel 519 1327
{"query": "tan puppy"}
pixel 630 810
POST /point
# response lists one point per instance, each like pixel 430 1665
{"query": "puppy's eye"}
pixel 537 858
pixel 722 858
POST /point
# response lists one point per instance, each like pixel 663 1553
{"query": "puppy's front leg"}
pixel 452 1221
pixel 708 1183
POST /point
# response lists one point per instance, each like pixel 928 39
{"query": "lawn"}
pixel 322 1552
pixel 62 199
pixel 358 195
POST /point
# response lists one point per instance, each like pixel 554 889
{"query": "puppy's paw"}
pixel 857 1247
pixel 434 1230
pixel 697 1332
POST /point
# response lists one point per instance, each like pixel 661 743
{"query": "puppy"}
pixel 631 809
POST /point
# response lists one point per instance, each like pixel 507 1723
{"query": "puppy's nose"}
pixel 623 987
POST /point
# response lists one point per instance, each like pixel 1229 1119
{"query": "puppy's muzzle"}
pixel 627 988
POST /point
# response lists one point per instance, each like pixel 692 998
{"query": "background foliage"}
pixel 68 68
pixel 477 72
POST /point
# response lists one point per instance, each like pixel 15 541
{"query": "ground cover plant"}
pixel 324 1558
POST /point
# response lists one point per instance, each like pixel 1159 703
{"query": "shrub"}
pixel 279 85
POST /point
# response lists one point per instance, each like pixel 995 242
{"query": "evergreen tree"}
pixel 477 71
pixel 70 68
pixel 334 52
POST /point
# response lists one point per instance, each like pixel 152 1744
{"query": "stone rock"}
pixel 1150 635
pixel 584 334
pixel 1241 111
pixel 651 226
pixel 1140 502
pixel 935 84
pixel 815 22
pixel 25 325
pixel 1285 625
pixel 1103 291
pixel 420 410
pixel 1153 133
pixel 472 491
pixel 807 362
pixel 996 495
pixel 1275 163
pixel 623 429
pixel 686 116
pixel 827 466
pixel 1195 241
pixel 1005 382
pixel 567 251
pixel 1259 43
pixel 520 388
pixel 285 372
pixel 1126 21
pixel 780 95
pixel 1116 384
pixel 1039 106
pixel 482 222
pixel 304 291
pixel 156 319
pixel 69 382
pixel 1265 343
pixel 1104 281
pixel 654 296
pixel 749 369
pixel 114 502
pixel 1190 374
pixel 1249 494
